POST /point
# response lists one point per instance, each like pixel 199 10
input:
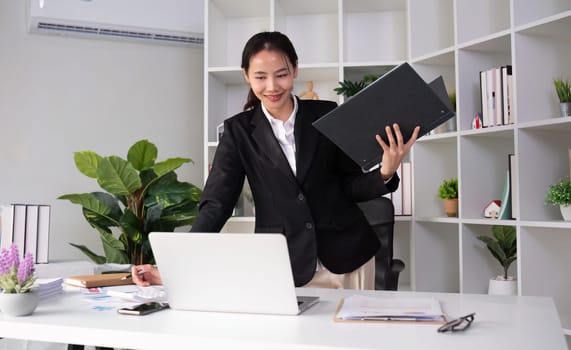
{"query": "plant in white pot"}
pixel 503 246
pixel 563 89
pixel 560 194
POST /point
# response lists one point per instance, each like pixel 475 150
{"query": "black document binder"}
pixel 400 96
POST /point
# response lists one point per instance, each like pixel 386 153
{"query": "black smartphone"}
pixel 143 309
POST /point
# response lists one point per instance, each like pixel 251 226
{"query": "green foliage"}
pixel 349 88
pixel 448 189
pixel 560 193
pixel 452 98
pixel 563 89
pixel 142 196
pixel 503 245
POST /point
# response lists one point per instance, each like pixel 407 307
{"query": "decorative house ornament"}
pixel 492 209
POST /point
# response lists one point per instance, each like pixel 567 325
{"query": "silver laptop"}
pixel 228 272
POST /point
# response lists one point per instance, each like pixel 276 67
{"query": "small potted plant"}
pixel 563 89
pixel 349 88
pixel 560 194
pixel 16 281
pixel 448 191
pixel 503 246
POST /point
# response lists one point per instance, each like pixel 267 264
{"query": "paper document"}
pixel 358 307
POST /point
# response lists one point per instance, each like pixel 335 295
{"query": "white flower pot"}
pixel 500 286
pixel 566 212
pixel 18 304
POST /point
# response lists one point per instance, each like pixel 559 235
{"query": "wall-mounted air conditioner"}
pixel 153 21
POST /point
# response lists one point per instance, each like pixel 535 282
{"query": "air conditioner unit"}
pixel 177 22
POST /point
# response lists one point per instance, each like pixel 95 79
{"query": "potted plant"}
pixel 503 246
pixel 448 191
pixel 16 281
pixel 560 194
pixel 142 196
pixel 563 89
pixel 349 88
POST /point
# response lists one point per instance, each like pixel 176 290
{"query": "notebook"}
pixel 228 272
pixel 399 96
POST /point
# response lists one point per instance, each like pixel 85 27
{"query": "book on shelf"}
pixel 31 235
pixel 505 207
pixel 396 196
pixel 420 310
pixel 406 185
pixel 99 280
pixel 484 97
pixel 496 93
pixel 513 186
pixel 42 251
pixel 19 227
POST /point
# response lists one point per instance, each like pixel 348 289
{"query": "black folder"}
pixel 400 96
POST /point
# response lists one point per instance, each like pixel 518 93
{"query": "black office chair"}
pixel 380 213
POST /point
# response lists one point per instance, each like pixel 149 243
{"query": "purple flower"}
pixel 16 276
pixel 26 268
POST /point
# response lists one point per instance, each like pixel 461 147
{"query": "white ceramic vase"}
pixel 565 212
pixel 565 109
pixel 500 286
pixel 18 304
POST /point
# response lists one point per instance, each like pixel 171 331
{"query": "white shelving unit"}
pixel 346 39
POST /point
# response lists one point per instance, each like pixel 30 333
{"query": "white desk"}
pixel 501 322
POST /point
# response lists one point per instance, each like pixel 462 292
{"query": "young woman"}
pixel 303 186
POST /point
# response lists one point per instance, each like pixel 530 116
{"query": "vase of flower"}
pixel 18 304
pixel 16 281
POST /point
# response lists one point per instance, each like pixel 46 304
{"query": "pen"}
pixel 139 272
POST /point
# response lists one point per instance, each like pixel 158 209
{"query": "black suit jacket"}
pixel 314 209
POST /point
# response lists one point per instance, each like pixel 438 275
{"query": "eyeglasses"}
pixel 459 324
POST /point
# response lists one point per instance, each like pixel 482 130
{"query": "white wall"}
pixel 61 94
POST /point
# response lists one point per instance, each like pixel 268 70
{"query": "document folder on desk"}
pixel 400 96
pixel 380 309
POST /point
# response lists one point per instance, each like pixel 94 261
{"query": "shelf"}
pixel 346 39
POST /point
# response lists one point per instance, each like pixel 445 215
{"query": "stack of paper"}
pixel 47 287
pixel 362 308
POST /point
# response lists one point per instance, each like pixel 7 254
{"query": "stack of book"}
pixel 47 287
pixel 28 226
pixel 496 89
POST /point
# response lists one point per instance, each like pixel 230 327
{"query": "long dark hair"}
pixel 265 41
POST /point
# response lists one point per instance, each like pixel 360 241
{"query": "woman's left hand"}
pixel 395 151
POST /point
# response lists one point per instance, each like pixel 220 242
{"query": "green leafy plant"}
pixel 563 89
pixel 349 88
pixel 560 193
pixel 142 196
pixel 448 189
pixel 452 98
pixel 503 246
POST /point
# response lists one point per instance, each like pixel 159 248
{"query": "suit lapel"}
pixel 305 141
pixel 264 136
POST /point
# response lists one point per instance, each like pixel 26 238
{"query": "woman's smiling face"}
pixel 271 76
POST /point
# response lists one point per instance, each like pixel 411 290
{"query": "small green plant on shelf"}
pixel 560 193
pixel 563 89
pixel 448 189
pixel 452 98
pixel 502 246
pixel 349 88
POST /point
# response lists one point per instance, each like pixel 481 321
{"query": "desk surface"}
pixel 501 322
